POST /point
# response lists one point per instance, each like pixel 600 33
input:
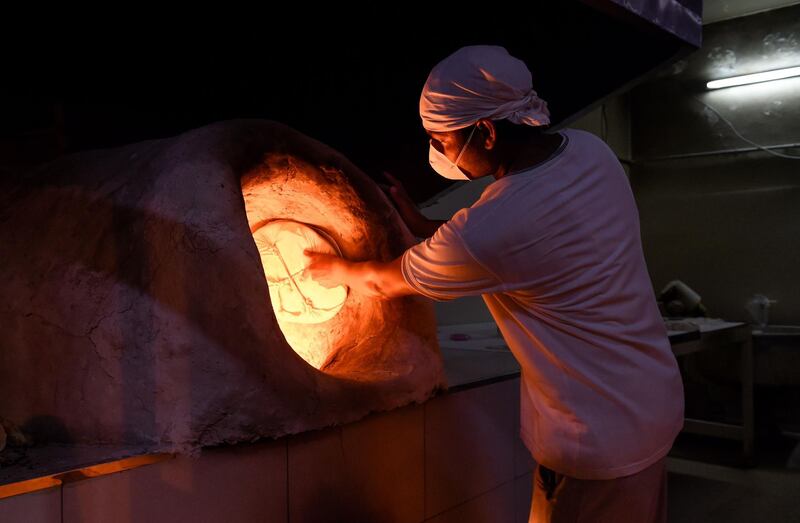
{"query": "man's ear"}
pixel 488 133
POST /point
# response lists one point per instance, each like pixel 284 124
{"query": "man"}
pixel 553 246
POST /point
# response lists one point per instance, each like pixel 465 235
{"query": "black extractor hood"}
pixel 354 86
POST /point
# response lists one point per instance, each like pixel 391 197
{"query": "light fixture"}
pixel 766 76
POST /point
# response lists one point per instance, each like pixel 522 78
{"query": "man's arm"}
pixel 440 268
pixel 372 278
pixel 419 225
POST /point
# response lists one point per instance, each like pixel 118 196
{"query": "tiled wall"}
pixel 43 506
pixel 458 458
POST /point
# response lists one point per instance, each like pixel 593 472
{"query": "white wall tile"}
pixel 245 483
pixel 43 506
pixel 469 444
pixel 367 471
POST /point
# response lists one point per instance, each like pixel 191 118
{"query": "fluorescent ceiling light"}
pixel 766 76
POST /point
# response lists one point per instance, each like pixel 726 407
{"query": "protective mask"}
pixel 442 164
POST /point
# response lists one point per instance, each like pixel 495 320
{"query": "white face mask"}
pixel 442 164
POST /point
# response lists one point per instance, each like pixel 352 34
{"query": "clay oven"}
pixel 153 294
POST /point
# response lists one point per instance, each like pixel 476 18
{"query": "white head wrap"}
pixel 478 82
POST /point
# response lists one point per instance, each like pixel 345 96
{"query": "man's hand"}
pixel 326 269
pixel 377 279
pixel 398 192
pixel 416 222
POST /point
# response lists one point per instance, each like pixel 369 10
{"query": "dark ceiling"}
pixel 355 88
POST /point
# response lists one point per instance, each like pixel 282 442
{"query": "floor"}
pixel 708 485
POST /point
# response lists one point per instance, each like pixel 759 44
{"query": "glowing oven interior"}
pixel 296 298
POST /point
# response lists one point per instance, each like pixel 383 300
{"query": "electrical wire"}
pixel 737 133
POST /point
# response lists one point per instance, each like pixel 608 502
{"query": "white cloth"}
pixel 478 82
pixel 555 251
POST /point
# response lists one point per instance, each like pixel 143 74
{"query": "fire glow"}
pixel 296 298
